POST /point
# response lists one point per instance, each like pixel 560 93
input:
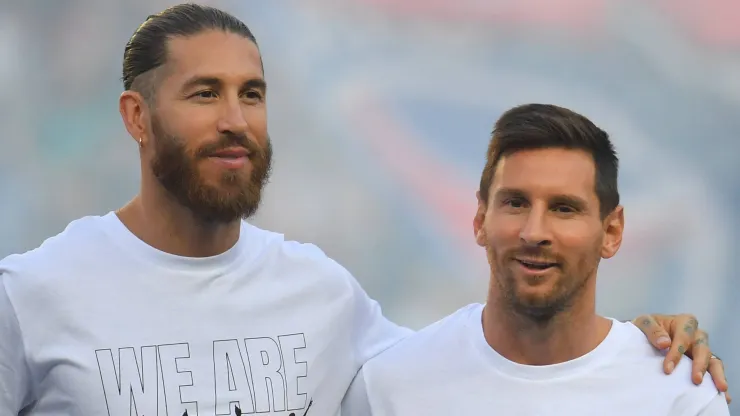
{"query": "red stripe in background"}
pixel 432 181
pixel 565 13
pixel 716 22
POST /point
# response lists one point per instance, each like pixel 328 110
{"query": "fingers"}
pixel 656 334
pixel 728 398
pixel 683 338
pixel 701 354
pixel 717 371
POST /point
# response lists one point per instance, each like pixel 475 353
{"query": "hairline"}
pixel 147 82
pixel 501 155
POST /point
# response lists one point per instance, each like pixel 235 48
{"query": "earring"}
pixel 141 142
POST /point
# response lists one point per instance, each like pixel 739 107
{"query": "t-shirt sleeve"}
pixel 15 379
pixel 701 400
pixel 717 407
pixel 372 332
pixel 357 402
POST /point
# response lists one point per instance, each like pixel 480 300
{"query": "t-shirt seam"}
pixel 22 340
pixel 354 333
pixel 704 403
pixel 236 263
pixel 368 389
pixel 580 371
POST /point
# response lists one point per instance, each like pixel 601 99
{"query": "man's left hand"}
pixel 681 333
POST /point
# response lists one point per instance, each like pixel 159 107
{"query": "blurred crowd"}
pixel 380 112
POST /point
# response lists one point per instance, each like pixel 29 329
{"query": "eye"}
pixel 564 209
pixel 207 94
pixel 514 202
pixel 253 95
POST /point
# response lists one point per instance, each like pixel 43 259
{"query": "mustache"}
pixel 225 141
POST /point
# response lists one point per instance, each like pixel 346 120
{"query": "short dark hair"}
pixel 146 50
pixel 539 126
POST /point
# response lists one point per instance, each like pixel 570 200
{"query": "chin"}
pixel 534 299
pixel 226 182
pixel 538 313
pixel 539 295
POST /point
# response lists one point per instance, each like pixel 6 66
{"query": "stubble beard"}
pixel 541 310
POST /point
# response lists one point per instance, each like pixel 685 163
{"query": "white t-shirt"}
pixel 95 322
pixel 448 369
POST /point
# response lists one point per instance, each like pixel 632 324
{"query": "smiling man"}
pixel 175 305
pixel 548 213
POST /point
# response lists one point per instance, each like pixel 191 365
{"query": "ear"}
pixel 478 220
pixel 135 113
pixel 613 230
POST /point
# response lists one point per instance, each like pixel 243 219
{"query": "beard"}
pixel 543 308
pixel 236 195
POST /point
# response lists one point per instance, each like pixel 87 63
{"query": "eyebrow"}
pixel 570 200
pixel 510 193
pixel 214 82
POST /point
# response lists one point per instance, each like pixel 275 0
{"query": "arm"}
pixel 681 335
pixel 357 402
pixel 15 380
pixel 373 333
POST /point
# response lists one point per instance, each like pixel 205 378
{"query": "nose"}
pixel 232 119
pixel 535 230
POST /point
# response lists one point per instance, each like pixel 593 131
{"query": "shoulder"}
pixel 37 277
pixel 639 360
pixel 290 250
pixel 428 349
pixel 295 254
pixel 71 246
pixel 717 407
pixel 300 262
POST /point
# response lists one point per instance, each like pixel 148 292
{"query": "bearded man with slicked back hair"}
pixel 174 304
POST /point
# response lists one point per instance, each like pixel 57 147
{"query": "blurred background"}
pixel 380 113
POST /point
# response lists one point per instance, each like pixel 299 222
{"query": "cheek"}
pixel 189 121
pixel 190 130
pixel 256 114
pixel 257 120
pixel 502 234
pixel 503 228
pixel 579 237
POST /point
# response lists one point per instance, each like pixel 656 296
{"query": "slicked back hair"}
pixel 146 50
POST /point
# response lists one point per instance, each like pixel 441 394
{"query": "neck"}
pixel 164 224
pixel 568 335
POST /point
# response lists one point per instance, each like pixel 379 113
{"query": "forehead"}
pixel 215 53
pixel 542 172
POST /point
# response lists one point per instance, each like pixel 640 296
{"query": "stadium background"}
pixel 380 113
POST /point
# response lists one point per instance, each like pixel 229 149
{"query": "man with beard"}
pixel 174 305
pixel 548 212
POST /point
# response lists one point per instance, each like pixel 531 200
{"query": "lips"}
pixel 231 153
pixel 232 158
pixel 536 264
